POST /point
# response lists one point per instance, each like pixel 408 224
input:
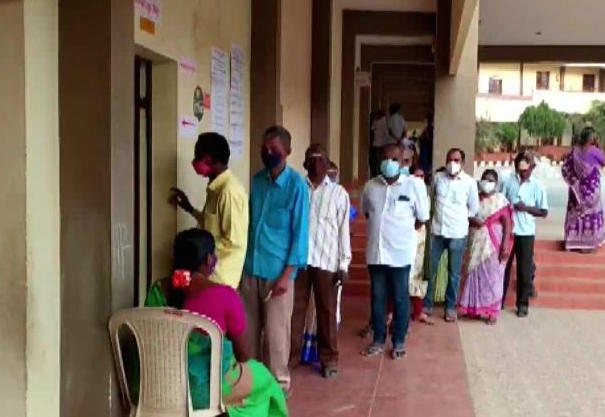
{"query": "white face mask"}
pixel 487 187
pixel 453 168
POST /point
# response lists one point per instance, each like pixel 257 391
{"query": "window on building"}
pixel 495 86
pixel 588 83
pixel 542 80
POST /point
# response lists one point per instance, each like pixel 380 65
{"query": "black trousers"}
pixel 523 251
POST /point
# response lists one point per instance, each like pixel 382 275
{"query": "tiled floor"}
pixel 551 364
pixel 429 382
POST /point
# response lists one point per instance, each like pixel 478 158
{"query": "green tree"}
pixel 596 117
pixel 542 122
pixel 484 137
pixel 507 134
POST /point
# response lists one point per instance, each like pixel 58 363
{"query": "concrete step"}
pixel 547 299
pixel 544 273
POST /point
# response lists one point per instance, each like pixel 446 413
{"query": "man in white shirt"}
pixel 456 203
pixel 528 197
pixel 395 206
pixel 396 123
pixel 381 137
pixel 328 261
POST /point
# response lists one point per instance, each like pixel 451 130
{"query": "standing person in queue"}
pixel 456 204
pixel 395 206
pixel 380 137
pixel 396 123
pixel 529 200
pixel 329 259
pixel 278 241
pixel 225 214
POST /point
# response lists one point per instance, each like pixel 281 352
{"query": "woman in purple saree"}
pixel 490 244
pixel 582 172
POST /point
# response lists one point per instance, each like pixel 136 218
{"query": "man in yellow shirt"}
pixel 225 213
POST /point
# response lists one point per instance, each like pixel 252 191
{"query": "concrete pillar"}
pixel 320 72
pixel 97 178
pixel 265 62
pixel 13 205
pixel 455 95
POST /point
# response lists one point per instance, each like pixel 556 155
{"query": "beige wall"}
pixel 188 29
pixel 296 76
pixel 43 231
pixel 13 272
pixel 507 72
pixel 455 103
pixel 574 78
pixel 29 186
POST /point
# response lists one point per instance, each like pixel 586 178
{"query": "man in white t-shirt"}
pixel 381 137
pixel 396 123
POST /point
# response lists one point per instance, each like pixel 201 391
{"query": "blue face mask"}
pixel 389 168
pixel 404 171
pixel 271 160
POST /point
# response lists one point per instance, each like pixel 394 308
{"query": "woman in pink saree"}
pixel 489 249
pixel 582 172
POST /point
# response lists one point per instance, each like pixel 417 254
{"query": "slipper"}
pixel 329 372
pixel 398 352
pixel 373 349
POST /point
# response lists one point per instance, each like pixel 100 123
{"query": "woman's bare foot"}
pixel 424 318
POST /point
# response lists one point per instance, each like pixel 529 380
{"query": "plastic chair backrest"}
pixel 161 336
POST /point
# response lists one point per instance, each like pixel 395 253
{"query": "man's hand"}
pixel 280 287
pixel 339 278
pixel 476 222
pixel 179 198
pixel 520 207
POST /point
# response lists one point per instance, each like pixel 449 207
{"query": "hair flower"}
pixel 181 278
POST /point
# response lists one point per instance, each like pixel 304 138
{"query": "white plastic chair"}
pixel 161 336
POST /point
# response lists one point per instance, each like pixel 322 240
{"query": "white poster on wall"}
pixel 237 133
pixel 188 127
pixel 219 91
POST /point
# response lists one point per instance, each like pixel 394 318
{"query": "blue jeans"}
pixel 455 251
pixel 394 282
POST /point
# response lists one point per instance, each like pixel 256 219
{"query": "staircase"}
pixel 564 280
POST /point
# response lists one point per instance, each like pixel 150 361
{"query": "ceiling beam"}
pixel 462 16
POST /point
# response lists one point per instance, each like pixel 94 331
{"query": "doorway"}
pixel 142 177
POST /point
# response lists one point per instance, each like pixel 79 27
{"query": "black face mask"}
pixel 271 160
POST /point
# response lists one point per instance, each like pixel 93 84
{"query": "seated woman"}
pixel 249 389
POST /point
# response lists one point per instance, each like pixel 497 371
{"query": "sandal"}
pixel 373 349
pixel 329 372
pixel 365 332
pixel 398 352
pixel 491 320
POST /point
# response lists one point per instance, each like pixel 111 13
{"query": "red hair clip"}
pixel 181 278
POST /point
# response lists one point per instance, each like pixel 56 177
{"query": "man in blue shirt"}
pixel 278 241
pixel 528 197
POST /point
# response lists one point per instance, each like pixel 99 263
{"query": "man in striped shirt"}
pixel 329 259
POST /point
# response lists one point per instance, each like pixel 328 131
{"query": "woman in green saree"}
pixel 248 387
